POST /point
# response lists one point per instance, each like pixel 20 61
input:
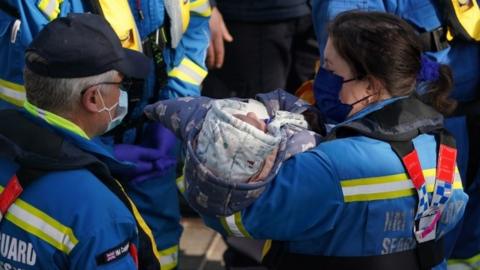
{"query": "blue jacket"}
pixel 346 197
pixel 426 16
pixel 185 67
pixel 185 64
pixel 66 219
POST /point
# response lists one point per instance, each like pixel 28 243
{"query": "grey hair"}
pixel 59 94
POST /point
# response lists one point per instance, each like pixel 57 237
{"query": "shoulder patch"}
pixel 113 254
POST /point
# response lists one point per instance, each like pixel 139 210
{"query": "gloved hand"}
pixel 158 137
pixel 149 162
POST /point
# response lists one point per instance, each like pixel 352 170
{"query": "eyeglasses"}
pixel 125 84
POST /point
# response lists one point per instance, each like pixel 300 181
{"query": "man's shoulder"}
pixel 76 194
pixel 78 183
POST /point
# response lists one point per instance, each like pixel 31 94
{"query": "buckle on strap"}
pixel 9 195
pixel 430 253
pixel 435 40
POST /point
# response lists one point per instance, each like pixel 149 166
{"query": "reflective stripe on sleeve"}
pixel 181 183
pixel 169 258
pixel 201 7
pixel 189 72
pixel 51 8
pixel 12 92
pixel 234 226
pixel 41 225
pixel 388 187
pixel 143 225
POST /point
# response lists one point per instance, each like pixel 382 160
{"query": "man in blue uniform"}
pixel 60 205
pixel 179 54
pixel 183 54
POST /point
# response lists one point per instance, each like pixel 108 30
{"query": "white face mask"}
pixel 121 111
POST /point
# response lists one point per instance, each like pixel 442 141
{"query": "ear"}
pixel 375 88
pixel 91 101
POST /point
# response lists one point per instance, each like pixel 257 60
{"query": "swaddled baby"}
pixel 234 147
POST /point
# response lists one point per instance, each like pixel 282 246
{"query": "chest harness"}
pixel 397 124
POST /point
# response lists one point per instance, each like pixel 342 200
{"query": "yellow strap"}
pixel 142 224
pixel 469 18
pixel 185 10
pixel 51 8
pixel 54 119
pixel 119 15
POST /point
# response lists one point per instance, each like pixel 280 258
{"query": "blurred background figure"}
pixel 259 46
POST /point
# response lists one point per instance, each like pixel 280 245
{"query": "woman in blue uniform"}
pixel 373 196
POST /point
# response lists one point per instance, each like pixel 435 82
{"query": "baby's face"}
pixel 253 120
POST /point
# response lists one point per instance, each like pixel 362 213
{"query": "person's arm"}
pixel 109 246
pixel 219 34
pixel 302 202
pixel 186 64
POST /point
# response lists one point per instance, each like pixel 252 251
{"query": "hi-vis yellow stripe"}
pixel 51 8
pixel 181 183
pixel 464 264
pixel 201 7
pixel 189 72
pixel 54 119
pixel 12 92
pixel 37 223
pixel 169 258
pixel 388 187
pixel 141 222
pixel 234 226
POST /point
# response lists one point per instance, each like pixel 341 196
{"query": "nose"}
pixel 258 123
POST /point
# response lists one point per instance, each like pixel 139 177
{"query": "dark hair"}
pixel 386 47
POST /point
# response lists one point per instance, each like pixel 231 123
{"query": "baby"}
pixel 234 147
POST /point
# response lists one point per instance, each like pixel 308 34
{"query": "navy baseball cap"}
pixel 81 45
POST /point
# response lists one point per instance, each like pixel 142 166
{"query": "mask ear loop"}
pixel 360 100
pixel 105 108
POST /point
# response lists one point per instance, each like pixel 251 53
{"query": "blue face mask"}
pixel 326 89
pixel 120 112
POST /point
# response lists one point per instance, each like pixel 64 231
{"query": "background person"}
pixel 270 45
